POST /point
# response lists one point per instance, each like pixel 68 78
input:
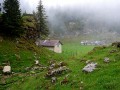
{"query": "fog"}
pixel 98 18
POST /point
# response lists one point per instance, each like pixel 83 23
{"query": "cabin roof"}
pixel 49 43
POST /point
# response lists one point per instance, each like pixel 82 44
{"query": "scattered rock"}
pixel 7 69
pixel 117 44
pixel 89 67
pixel 106 60
pixel 53 79
pixel 56 65
pixel 113 51
pixel 57 71
pixel 56 68
pixel 36 62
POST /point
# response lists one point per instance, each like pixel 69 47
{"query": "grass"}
pixel 105 77
pixel 20 55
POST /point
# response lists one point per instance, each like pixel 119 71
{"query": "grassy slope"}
pixel 73 61
pixel 20 55
pixel 105 77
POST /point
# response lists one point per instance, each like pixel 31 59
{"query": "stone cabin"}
pixel 53 45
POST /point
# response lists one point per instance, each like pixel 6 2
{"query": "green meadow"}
pixel 104 77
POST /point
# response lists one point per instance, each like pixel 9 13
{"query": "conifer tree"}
pixel 12 20
pixel 42 23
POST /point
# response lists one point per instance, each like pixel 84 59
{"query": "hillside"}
pixel 22 55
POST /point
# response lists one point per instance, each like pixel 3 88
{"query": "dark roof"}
pixel 49 43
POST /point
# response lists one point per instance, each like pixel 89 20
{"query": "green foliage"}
pixel 41 20
pixel 12 22
pixel 30 26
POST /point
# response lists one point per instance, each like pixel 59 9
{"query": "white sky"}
pixel 32 4
pixel 69 2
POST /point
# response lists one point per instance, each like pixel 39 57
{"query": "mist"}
pixel 97 18
pixel 73 18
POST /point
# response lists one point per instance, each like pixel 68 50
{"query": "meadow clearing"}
pixel 105 77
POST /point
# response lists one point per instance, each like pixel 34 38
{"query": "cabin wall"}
pixel 51 48
pixel 58 48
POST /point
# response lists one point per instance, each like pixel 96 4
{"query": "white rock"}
pixel 89 67
pixel 106 59
pixel 54 79
pixel 7 69
pixel 36 62
pixel 53 65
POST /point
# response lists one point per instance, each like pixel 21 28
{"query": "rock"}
pixel 7 69
pixel 117 44
pixel 106 60
pixel 36 62
pixel 50 68
pixel 57 71
pixel 113 51
pixel 53 79
pixel 89 67
pixel 53 65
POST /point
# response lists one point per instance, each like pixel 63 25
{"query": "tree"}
pixel 12 20
pixel 41 20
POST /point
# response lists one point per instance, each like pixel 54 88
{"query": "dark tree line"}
pixel 11 22
pixel 11 18
pixel 41 20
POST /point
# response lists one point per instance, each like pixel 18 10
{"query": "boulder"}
pixel 7 69
pixel 89 67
